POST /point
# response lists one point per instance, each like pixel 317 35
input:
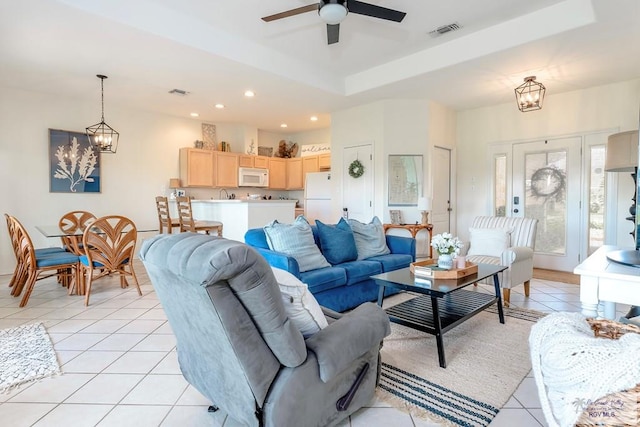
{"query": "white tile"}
pixel 74 415
pixel 127 313
pixel 143 303
pixel 136 362
pixel 79 341
pixel 65 356
pixel 514 417
pixel 157 389
pixel 381 417
pixel 23 414
pixel 71 326
pixel 164 329
pixel 95 313
pixel 105 389
pixel 527 393
pixel 141 327
pixel 106 326
pixel 92 361
pixel 64 313
pixel 154 314
pixel 53 390
pixel 192 397
pixel 512 403
pixel 539 415
pixel 135 416
pixel 156 342
pixel 194 416
pixel 119 342
pixel 168 365
pixel 29 313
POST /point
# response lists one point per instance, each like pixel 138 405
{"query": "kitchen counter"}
pixel 239 215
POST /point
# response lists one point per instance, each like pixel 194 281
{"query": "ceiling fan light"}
pixel 333 13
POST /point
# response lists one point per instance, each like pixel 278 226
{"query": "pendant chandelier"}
pixel 103 136
pixel 530 95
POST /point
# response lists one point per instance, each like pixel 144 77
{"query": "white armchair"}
pixel 504 241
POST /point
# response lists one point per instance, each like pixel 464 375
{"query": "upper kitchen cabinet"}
pixel 249 161
pixel 324 161
pixel 295 178
pixel 196 167
pixel 277 173
pixel 226 169
pixel 309 164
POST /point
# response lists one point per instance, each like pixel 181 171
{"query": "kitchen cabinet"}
pixel 324 161
pixel 226 169
pixel 277 173
pixel 295 179
pixel 196 167
pixel 309 164
pixel 249 161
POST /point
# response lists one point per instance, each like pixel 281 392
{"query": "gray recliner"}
pixel 238 348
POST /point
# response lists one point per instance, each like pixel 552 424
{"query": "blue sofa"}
pixel 342 286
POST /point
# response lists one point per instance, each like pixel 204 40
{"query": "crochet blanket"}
pixel 574 369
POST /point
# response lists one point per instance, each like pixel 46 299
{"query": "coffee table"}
pixel 443 303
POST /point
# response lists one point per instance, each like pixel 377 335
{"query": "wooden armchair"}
pixel 74 223
pixel 187 223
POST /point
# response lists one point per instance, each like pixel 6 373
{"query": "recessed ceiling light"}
pixel 284 125
pixel 314 118
pixel 219 106
pixel 195 115
pixel 249 94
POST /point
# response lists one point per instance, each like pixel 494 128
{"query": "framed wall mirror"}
pixel 405 179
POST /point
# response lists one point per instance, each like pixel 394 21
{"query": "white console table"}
pixel 608 282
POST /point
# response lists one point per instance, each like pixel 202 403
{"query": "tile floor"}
pixel 120 366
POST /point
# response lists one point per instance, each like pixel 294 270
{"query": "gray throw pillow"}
pixel 370 238
pixel 296 240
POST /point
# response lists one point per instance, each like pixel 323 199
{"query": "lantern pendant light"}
pixel 103 136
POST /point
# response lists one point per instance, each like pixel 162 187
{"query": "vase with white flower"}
pixel 447 246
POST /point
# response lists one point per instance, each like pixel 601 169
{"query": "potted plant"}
pixel 446 245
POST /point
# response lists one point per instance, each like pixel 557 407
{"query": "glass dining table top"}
pixel 55 231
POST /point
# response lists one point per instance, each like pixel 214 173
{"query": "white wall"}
pixel 613 106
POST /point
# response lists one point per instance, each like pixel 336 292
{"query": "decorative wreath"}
pixel 356 169
pixel 548 182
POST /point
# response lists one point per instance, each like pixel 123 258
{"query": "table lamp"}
pixel 424 205
pixel 174 184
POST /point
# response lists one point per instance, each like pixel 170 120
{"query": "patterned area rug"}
pixel 26 354
pixel 486 361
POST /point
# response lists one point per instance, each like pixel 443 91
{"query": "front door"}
pixel 357 193
pixel 441 206
pixel 546 186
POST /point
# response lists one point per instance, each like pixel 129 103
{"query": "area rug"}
pixel 26 354
pixel 486 361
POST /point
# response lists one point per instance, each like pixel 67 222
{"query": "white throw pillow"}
pixel 300 304
pixel 489 241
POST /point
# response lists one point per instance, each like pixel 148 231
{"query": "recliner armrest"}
pixel 348 338
pixel 518 253
pixel 280 260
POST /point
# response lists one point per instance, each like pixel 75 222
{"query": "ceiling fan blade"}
pixel 333 33
pixel 292 12
pixel 375 11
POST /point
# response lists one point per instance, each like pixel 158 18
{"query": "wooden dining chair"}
pixel 187 223
pixel 74 223
pixel 31 266
pixel 109 246
pixel 164 217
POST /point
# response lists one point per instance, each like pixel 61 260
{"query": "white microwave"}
pixel 253 177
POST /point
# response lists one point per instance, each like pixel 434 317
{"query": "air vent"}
pixel 445 29
pixel 178 92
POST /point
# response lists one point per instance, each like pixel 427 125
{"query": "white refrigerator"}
pixel 317 198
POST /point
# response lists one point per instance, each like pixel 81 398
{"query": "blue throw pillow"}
pixel 296 240
pixel 337 242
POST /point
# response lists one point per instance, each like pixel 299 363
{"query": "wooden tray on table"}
pixel 430 269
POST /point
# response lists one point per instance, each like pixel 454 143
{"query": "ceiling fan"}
pixel 332 12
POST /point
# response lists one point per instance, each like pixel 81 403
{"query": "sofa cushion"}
pixel 489 241
pixel 324 278
pixel 370 238
pixel 337 242
pixel 483 259
pixel 300 305
pixel 392 262
pixel 296 240
pixel 358 271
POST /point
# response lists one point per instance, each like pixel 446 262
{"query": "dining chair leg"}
pixel 31 281
pixel 87 290
pixel 135 279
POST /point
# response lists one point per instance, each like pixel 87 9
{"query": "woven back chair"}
pixel 74 223
pixel 32 264
pixel 110 245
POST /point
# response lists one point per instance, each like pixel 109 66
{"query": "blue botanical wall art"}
pixel 74 163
